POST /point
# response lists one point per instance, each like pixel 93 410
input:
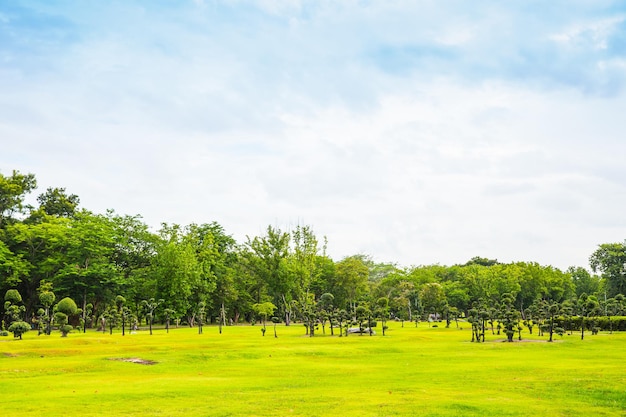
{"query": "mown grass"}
pixel 412 371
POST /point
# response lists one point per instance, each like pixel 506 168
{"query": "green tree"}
pixel 64 310
pixel 586 306
pixel 122 311
pixel 351 281
pixel 47 298
pixel 325 305
pixel 179 273
pixel 264 310
pixel 150 307
pixel 275 320
pixel 56 202
pixel 18 328
pixel 40 249
pixel 610 260
pixel 13 309
pixel 89 273
pixel 433 299
pixel 382 311
pixel 583 281
pixel 266 261
pixel 13 191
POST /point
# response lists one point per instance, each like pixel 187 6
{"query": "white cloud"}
pixel 463 140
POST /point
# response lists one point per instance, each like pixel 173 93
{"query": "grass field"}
pixel 411 371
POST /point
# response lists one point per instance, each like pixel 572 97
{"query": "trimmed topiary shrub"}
pixel 18 328
pixel 13 296
pixel 67 306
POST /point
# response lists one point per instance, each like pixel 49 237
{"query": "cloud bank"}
pixel 415 132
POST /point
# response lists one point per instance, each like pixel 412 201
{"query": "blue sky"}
pixel 417 132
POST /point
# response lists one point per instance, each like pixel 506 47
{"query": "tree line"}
pixel 66 266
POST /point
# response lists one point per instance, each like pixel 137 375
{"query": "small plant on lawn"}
pixel 18 328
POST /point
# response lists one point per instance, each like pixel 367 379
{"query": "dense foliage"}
pixel 112 270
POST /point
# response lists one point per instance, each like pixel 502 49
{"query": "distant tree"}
pixel 168 312
pixel 275 320
pixel 149 307
pixel 264 310
pixel 351 280
pixel 56 202
pixel 325 305
pixel 200 314
pixel 86 316
pixel 13 190
pixel 382 305
pixel 65 309
pixel 474 319
pixel 610 260
pixel 510 316
pixel 122 311
pixel 583 281
pixel 362 314
pixel 454 314
pixel 46 298
pixel 341 317
pixel 13 309
pixel 551 310
pixel 586 306
pixel 567 311
pixel 477 260
pixel 433 299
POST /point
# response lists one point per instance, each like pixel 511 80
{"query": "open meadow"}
pixel 411 371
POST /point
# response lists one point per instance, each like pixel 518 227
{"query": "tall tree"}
pixel 89 274
pixel 178 273
pixel 265 258
pixel 433 299
pixel 13 190
pixel 56 202
pixel 351 281
pixel 583 281
pixel 610 260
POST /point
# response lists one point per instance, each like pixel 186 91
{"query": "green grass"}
pixel 423 371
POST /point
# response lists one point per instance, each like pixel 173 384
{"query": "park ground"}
pixel 429 371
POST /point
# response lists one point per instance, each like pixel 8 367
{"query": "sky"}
pixel 415 132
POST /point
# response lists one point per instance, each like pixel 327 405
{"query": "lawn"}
pixel 411 371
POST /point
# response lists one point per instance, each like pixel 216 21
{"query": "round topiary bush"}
pixel 4 333
pixel 65 329
pixel 13 296
pixel 18 328
pixel 67 306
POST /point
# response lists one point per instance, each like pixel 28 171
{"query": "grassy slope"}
pixel 425 371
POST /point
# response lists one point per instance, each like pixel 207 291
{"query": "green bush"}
pixel 13 296
pixel 4 333
pixel 18 328
pixel 67 306
pixel 65 329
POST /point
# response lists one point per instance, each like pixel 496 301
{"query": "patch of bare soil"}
pixel 135 360
pixel 9 355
